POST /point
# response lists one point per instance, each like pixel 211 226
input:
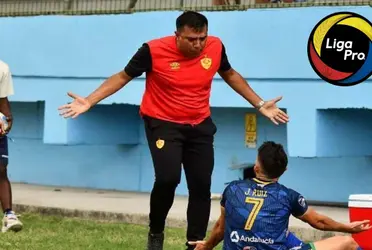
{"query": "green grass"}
pixel 58 233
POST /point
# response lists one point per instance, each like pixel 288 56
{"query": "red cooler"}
pixel 360 208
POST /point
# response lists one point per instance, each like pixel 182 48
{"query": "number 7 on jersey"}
pixel 257 205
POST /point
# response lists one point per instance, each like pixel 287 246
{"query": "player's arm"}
pixel 216 236
pixel 302 211
pixel 139 63
pixel 236 81
pixel 218 231
pixel 6 89
pixel 324 223
pixel 321 222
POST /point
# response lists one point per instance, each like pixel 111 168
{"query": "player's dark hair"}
pixel 192 19
pixel 273 159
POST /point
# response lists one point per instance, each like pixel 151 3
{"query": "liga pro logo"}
pixel 340 49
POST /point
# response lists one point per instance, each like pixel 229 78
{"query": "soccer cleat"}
pixel 155 241
pixel 11 222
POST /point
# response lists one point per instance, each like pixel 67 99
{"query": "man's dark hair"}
pixel 273 159
pixel 193 20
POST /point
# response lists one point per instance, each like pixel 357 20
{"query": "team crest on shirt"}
pixel 174 65
pixel 160 143
pixel 206 62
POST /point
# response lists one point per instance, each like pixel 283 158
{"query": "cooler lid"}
pixel 360 197
pixel 360 200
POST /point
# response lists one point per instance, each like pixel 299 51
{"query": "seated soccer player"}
pixel 292 242
pixel 255 212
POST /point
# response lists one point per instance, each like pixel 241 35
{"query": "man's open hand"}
pixel 271 111
pixel 78 106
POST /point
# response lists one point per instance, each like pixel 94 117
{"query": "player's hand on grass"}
pixel 359 226
pixel 200 245
pixel 78 106
pixel 271 111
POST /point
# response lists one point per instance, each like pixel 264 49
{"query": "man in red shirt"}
pixel 176 113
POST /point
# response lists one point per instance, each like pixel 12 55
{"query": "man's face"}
pixel 191 42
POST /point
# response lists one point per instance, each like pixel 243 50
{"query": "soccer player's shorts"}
pixel 308 246
pixel 292 241
pixel 4 150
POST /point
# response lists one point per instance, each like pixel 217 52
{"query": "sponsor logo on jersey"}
pixel 235 238
pixel 302 201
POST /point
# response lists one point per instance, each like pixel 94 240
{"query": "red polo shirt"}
pixel 177 88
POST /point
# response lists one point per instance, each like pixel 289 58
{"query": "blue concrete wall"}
pixel 328 138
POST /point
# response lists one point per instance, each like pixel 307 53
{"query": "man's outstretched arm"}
pixel 141 62
pixel 241 86
pixel 110 86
